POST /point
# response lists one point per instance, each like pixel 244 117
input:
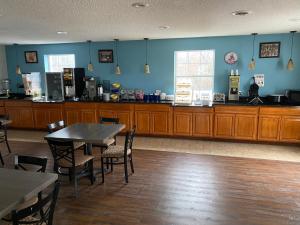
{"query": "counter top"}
pixel 172 103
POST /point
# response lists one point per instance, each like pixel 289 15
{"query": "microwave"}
pixel 293 96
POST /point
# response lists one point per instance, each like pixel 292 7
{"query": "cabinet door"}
pixel 142 122
pixel 290 129
pixel 106 113
pixel 124 118
pixel 41 118
pixel 245 127
pixel 268 128
pixel 26 118
pixel 202 124
pixel 55 115
pixel 183 123
pixel 72 116
pixel 21 117
pixel 224 125
pixel 88 116
pixel 159 123
pixel 14 116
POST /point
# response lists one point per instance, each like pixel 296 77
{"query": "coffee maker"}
pixel 234 87
pixel 73 79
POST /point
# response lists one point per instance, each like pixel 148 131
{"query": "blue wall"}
pixel 161 60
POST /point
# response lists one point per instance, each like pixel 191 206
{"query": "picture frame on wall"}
pixel 269 49
pixel 31 57
pixel 106 56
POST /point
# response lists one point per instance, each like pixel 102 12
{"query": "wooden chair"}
pixel 3 135
pixel 110 141
pixel 52 127
pixel 119 152
pixel 77 163
pixel 27 163
pixel 22 161
pixel 39 213
pixel 1 159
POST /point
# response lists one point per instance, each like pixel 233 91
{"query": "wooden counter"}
pixel 251 123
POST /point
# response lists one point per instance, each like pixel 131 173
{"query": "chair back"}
pixel 129 140
pixel 62 151
pixel 3 117
pixel 21 161
pixel 108 120
pixel 52 127
pixel 39 213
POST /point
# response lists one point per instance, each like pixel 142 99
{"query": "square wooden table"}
pixel 90 133
pixel 17 186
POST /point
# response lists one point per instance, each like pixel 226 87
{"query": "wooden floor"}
pixel 182 189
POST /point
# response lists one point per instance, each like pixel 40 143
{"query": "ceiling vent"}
pixel 241 13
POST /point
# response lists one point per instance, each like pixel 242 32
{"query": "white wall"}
pixel 3 66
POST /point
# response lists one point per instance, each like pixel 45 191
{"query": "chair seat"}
pixel 106 144
pixel 26 220
pixel 80 160
pixel 2 134
pixel 23 205
pixel 115 151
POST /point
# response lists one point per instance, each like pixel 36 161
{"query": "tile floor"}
pixel 247 150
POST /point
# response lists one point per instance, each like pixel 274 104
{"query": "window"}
pixel 56 63
pixel 194 75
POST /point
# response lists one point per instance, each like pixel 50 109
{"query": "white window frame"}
pixel 49 69
pixel 195 75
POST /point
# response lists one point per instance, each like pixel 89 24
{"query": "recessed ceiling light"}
pixel 62 32
pixel 294 19
pixel 164 27
pixel 140 5
pixel 241 13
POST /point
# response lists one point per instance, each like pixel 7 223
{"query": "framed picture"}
pixel 31 57
pixel 106 56
pixel 269 50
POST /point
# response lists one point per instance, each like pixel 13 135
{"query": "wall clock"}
pixel 231 58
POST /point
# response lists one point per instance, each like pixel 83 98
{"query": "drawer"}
pixel 193 109
pixel 287 111
pixel 237 109
pixel 153 107
pixel 18 103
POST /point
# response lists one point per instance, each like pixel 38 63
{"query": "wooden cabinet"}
pixel 124 112
pixel 183 122
pixel 264 123
pixel 142 122
pixel 290 129
pixel 245 127
pixel 203 123
pixel 154 119
pixel 160 123
pixel 2 108
pixel 80 112
pixel 236 122
pixel 268 128
pixel 193 121
pixel 279 124
pixel 46 113
pixel 20 112
pixel 224 125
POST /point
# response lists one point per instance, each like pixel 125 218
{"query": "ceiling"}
pixel 37 21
